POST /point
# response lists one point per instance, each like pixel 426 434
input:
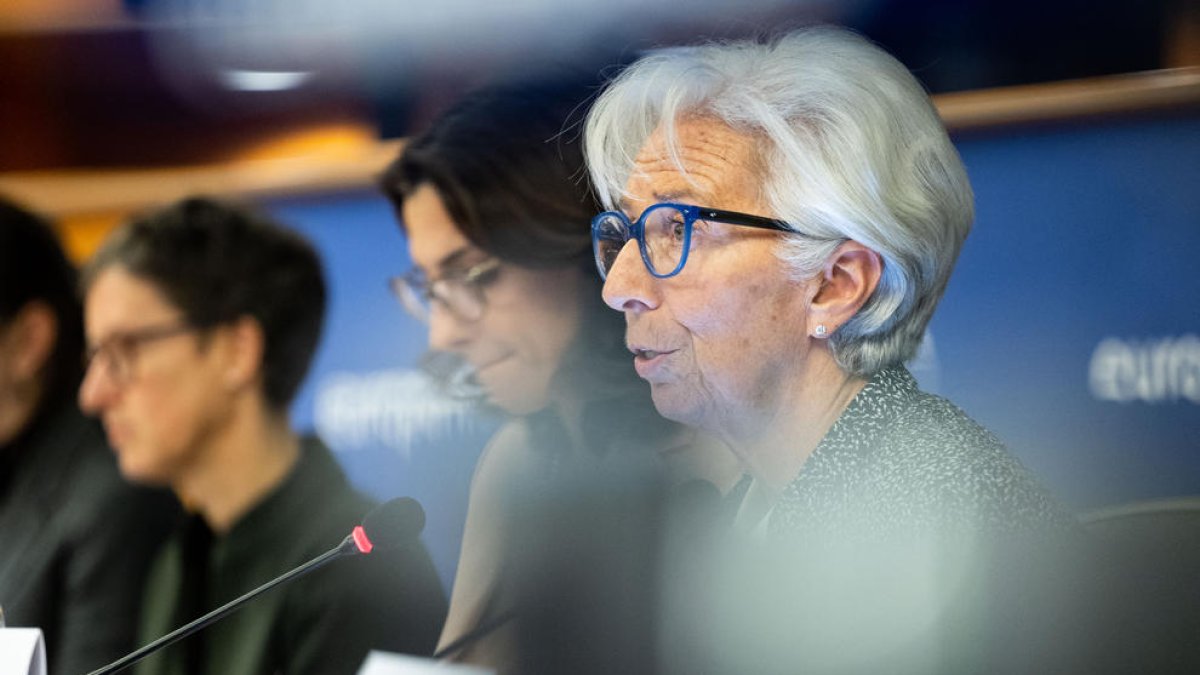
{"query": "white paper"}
pixel 386 663
pixel 22 651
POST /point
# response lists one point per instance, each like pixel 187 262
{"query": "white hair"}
pixel 851 148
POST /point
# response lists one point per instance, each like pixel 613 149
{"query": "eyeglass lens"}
pixel 460 296
pixel 413 296
pixel 664 235
pixel 119 352
pixel 610 232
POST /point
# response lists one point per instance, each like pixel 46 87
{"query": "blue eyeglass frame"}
pixel 637 230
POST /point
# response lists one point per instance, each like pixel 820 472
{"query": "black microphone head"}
pixel 391 524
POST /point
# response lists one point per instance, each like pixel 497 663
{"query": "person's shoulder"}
pixel 388 599
pixel 328 497
pixel 510 455
pixel 969 467
pixel 513 441
pixel 362 588
pixel 938 431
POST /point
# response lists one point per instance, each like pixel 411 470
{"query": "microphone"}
pixel 387 526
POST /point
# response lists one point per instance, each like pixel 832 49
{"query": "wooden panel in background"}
pixel 1155 91
pixel 88 203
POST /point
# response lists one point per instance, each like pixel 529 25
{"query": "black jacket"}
pixel 75 540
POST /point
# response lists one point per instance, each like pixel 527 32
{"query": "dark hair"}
pixel 218 262
pixel 507 162
pixel 34 268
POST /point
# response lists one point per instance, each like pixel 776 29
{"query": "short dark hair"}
pixel 33 267
pixel 218 262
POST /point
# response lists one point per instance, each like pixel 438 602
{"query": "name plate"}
pixel 386 663
pixel 22 651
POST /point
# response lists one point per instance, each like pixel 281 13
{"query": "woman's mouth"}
pixel 648 361
pixel 484 366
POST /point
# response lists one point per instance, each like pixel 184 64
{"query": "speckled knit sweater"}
pixel 900 460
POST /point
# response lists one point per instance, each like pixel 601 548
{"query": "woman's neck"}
pixel 241 464
pixel 569 406
pixel 774 444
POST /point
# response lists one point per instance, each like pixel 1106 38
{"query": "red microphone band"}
pixel 361 540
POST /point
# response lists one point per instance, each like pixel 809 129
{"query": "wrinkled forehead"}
pixel 693 158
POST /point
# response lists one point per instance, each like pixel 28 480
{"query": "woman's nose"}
pixel 629 287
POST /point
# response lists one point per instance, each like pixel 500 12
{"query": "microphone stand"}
pixel 347 547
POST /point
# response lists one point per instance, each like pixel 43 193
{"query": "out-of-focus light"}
pixel 264 80
pixel 342 139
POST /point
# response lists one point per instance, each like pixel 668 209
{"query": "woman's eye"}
pixel 700 230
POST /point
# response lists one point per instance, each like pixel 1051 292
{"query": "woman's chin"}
pixel 518 400
pixel 513 390
pixel 518 406
pixel 140 473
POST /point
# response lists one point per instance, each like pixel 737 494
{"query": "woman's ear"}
pixel 246 343
pixel 847 280
pixel 32 334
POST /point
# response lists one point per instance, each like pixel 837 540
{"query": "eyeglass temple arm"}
pixel 744 219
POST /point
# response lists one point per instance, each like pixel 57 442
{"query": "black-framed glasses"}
pixel 461 292
pixel 119 351
pixel 664 234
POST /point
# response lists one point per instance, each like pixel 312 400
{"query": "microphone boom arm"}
pixel 347 547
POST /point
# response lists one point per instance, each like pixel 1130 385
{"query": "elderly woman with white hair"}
pixel 786 215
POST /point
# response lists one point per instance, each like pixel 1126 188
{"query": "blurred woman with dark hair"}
pixel 75 540
pixel 495 204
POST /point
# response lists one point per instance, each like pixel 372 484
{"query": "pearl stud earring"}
pixel 821 330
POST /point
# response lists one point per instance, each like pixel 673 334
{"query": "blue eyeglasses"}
pixel 664 234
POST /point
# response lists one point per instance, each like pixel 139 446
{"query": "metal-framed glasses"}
pixel 459 292
pixel 664 234
pixel 118 352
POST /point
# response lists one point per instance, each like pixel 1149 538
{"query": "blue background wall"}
pixel 1071 327
pixel 1083 235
